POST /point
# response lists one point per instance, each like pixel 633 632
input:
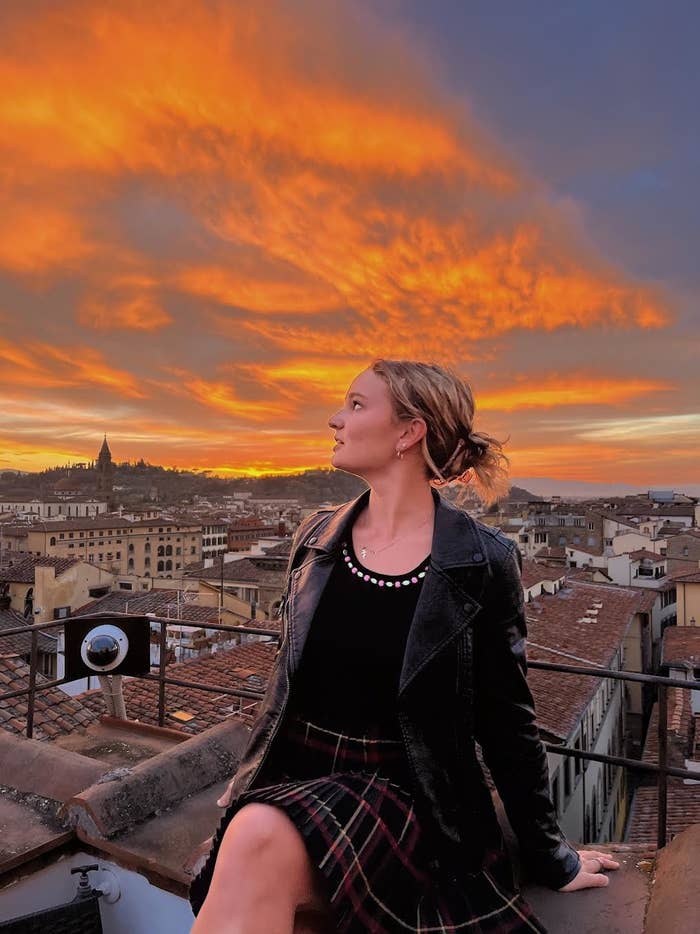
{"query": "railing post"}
pixel 33 661
pixel 161 674
pixel 662 778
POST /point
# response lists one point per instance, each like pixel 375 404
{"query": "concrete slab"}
pixel 125 797
pixel 122 744
pixel 43 769
pixel 675 901
pixel 28 828
pixel 619 908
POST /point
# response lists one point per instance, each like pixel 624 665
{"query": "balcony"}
pixel 139 801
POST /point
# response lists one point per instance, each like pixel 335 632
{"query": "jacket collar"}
pixel 456 539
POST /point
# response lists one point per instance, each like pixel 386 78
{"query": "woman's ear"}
pixel 414 431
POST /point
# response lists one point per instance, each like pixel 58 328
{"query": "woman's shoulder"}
pixel 496 539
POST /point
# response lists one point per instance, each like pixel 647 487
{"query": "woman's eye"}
pixel 356 403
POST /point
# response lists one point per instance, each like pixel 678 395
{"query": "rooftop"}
pixel 246 666
pixel 21 643
pixel 262 569
pixel 680 645
pixel 534 573
pixel 582 623
pixel 683 797
pixel 687 577
pixel 55 713
pixel 22 572
pixel 168 603
pixel 642 554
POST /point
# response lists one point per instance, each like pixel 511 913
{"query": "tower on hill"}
pixel 105 472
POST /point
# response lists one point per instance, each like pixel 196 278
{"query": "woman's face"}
pixel 366 430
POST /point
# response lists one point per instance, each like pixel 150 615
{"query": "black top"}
pixel 348 678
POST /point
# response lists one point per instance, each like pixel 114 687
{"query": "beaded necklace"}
pixel 371 578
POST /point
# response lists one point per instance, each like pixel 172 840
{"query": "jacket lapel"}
pixel 309 580
pixel 451 590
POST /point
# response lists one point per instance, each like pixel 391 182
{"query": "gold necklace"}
pixel 364 550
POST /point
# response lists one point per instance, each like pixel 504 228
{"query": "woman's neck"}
pixel 396 510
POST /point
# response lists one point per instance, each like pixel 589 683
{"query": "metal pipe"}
pixel 662 783
pixel 161 672
pixel 34 656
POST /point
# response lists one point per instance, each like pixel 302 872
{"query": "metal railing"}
pixel 662 769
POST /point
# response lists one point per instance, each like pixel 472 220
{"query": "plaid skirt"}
pixel 348 798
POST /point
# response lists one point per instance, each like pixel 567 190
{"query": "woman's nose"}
pixel 333 421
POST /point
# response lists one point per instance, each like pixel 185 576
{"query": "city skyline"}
pixel 215 216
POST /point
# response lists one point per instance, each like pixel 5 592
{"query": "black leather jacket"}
pixel 462 682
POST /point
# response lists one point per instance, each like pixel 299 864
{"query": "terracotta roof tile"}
pixel 683 800
pixel 687 577
pixel 533 573
pixel 265 570
pixel 553 551
pixel 23 571
pixel 556 633
pixel 21 644
pixel 55 712
pixel 681 644
pixel 158 602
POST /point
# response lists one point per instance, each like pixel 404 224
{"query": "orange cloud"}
pixel 255 293
pixel 44 366
pixel 551 390
pixel 130 312
pixel 37 237
pixel 222 398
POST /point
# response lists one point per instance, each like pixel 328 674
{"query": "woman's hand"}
pixel 591 873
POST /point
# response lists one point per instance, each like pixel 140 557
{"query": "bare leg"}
pixel 262 875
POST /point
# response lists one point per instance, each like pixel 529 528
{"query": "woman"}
pixel 360 804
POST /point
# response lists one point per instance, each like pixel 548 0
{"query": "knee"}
pixel 261 831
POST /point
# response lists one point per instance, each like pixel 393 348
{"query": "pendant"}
pixel 363 553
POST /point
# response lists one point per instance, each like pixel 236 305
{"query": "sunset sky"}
pixel 214 214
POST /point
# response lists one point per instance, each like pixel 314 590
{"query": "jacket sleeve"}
pixel 505 727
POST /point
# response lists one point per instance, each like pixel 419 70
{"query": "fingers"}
pixel 595 861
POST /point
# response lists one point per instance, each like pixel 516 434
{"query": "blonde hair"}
pixel 452 450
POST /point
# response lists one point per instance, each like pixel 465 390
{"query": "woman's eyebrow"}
pixel 358 394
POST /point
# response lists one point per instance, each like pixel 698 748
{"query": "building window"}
pixel 168 549
pixel 161 566
pixel 52 540
pixel 168 565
